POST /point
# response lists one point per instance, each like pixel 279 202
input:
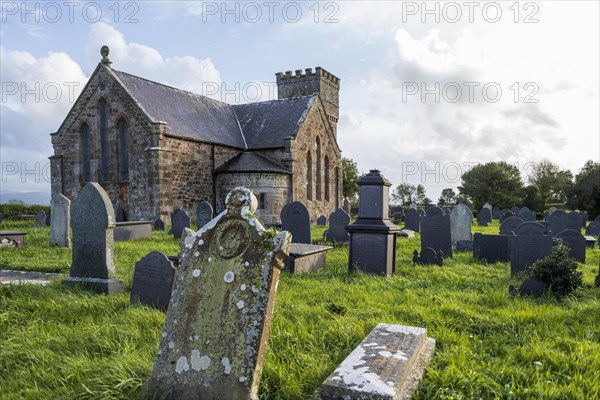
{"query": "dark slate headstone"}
pixel 505 215
pixel 412 220
pixel 484 216
pixel 204 214
pixel 322 220
pixel 528 243
pixel 495 213
pixel 159 225
pixel 532 287
pixel 120 215
pixel 338 221
pixel 48 218
pixel 153 279
pixel 558 221
pixel 574 220
pixel 491 248
pixel 576 243
pixel 40 219
pixel 179 221
pixel 93 221
pixel 526 214
pixel 509 225
pixel 515 210
pixel 546 215
pixel 584 219
pixel 428 256
pixel 464 245
pixel 296 220
pixel 545 223
pixel 593 228
pixel 551 210
pixel 435 231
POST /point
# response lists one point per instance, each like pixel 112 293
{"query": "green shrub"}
pixel 11 210
pixel 558 271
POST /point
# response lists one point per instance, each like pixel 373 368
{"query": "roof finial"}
pixel 104 50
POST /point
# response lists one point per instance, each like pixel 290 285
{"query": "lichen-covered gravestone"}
pixel 214 340
pixel 60 223
pixel 93 221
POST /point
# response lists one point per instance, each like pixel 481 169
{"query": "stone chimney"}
pixel 307 82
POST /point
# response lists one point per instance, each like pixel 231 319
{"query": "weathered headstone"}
pixel 428 256
pixel 574 220
pixel 584 219
pixel 593 228
pixel 509 225
pixel 218 321
pixel 505 215
pixel 495 213
pixel 60 225
pixel 40 219
pixel 558 221
pixel 461 220
pixel 322 220
pixel 93 221
pixel 48 218
pixel 159 224
pixel 153 278
pixel 346 206
pixel 515 210
pixel 551 210
pixel 484 216
pixel 338 221
pixel 204 213
pixel 526 214
pixel 436 232
pixel 491 248
pixel 179 221
pixel 412 220
pixel 488 206
pixel 576 243
pixel 531 287
pixel 296 220
pixel 528 243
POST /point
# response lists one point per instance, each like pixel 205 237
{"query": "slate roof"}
pixel 188 115
pixel 248 161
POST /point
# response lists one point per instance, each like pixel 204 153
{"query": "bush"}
pixel 12 210
pixel 558 271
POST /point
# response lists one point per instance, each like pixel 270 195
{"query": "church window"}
pixel 103 113
pixel 85 153
pixel 318 169
pixel 123 129
pixel 327 196
pixel 309 182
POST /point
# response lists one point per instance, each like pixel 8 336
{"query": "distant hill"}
pixel 29 198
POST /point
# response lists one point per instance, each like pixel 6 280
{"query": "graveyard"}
pixel 62 341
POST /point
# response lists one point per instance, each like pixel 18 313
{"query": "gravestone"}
pixel 179 221
pixel 214 339
pixel 413 206
pixel 93 221
pixel 204 213
pixel 296 220
pixel 509 225
pixel 576 243
pixel 551 210
pixel 584 219
pixel 574 220
pixel 412 220
pixel 346 206
pixel 515 210
pixel 461 220
pixel 528 243
pixel 436 232
pixel 338 221
pixel 322 220
pixel 428 256
pixel 120 215
pixel 60 225
pixel 484 216
pixel 491 248
pixel 558 221
pixel 488 206
pixel 505 215
pixel 153 278
pixel 495 213
pixel 49 218
pixel 463 245
pixel 40 219
pixel 593 228
pixel 546 215
pixel 159 224
pixel 526 214
pixel 531 287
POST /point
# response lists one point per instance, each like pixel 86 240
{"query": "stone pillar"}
pixel 373 235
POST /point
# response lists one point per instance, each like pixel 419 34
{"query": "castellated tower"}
pixel 322 82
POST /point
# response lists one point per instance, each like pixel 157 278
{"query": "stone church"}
pixel 154 148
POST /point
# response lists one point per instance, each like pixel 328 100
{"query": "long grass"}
pixel 59 342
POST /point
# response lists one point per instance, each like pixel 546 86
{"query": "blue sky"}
pixel 427 91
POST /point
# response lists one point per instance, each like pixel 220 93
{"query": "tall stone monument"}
pixel 60 221
pixel 214 340
pixel 93 222
pixel 373 235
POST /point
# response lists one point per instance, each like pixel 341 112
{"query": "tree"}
pixel 350 177
pixel 554 185
pixel 532 198
pixel 427 201
pixel 447 198
pixel 586 189
pixel 498 183
pixel 406 193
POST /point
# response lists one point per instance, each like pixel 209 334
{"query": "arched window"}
pixel 103 124
pixel 327 197
pixel 309 182
pixel 123 129
pixel 85 153
pixel 318 186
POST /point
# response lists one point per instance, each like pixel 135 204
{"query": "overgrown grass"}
pixel 61 342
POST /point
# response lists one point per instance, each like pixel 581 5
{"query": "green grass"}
pixel 61 342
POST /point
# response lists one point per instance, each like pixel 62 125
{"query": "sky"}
pixel 428 89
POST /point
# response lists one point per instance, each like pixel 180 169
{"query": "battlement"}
pixel 319 73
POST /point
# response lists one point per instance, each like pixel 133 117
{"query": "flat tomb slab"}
pixel 8 277
pixel 17 237
pixel 133 230
pixel 306 257
pixel 387 364
pixel 590 241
